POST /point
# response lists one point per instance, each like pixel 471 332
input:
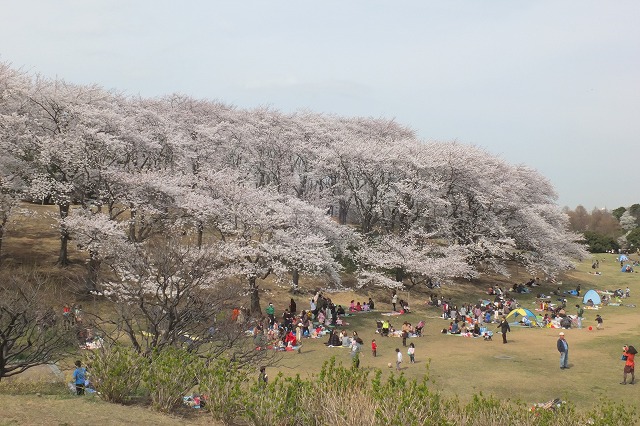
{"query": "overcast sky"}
pixel 551 84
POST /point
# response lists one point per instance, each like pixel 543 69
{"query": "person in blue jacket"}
pixel 79 377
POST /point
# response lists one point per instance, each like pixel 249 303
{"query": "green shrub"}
pixel 170 375
pixel 222 382
pixel 280 403
pixel 598 243
pixel 115 372
pixel 609 413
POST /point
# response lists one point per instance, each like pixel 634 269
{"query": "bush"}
pixel 338 395
pixel 598 243
pixel 115 372
pixel 633 238
pixel 170 375
pixel 222 382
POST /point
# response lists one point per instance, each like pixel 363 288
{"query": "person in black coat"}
pixel 504 328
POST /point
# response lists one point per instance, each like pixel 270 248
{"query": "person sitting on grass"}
pixel 476 329
pixel 385 327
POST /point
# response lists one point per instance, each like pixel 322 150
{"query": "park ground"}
pixel 526 369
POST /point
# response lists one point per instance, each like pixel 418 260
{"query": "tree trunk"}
pixel 343 210
pixel 399 274
pixel 1 237
pixel 295 280
pixel 92 272
pixel 200 227
pixel 63 257
pixel 255 297
pixel 132 225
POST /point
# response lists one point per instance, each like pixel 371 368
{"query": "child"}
pixel 374 348
pixel 263 378
pixel 79 376
pixel 398 359
pixel 599 321
pixel 412 352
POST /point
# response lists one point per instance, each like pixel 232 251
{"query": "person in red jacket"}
pixel 629 352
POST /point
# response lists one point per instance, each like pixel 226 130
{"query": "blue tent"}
pixel 626 268
pixel 593 295
pixel 623 258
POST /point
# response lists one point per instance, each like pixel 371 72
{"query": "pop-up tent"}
pixel 626 268
pixel 516 316
pixel 593 295
pixel 623 258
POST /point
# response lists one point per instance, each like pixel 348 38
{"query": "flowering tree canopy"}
pixel 266 192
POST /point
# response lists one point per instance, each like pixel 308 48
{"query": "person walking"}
pixel 563 348
pixel 628 354
pixel 504 328
pixel 374 348
pixel 398 359
pixel 412 353
pixel 79 377
pixel 356 347
pixel 599 321
pixel 579 314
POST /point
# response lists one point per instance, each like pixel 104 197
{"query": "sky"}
pixel 551 84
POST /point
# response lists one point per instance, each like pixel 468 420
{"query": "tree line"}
pixel 267 193
pixel 606 230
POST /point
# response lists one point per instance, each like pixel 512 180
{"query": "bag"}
pixel 623 357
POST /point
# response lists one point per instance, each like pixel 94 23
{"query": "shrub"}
pixel 171 374
pixel 598 243
pixel 222 382
pixel 116 371
pixel 633 238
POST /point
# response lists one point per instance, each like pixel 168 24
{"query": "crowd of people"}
pixel 322 317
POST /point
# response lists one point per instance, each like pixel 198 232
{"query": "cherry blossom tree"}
pixel 263 233
pixel 100 236
pixel 12 85
pixel 390 259
pixel 60 163
pixel 8 204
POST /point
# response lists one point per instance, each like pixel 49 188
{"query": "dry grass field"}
pixel 526 369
